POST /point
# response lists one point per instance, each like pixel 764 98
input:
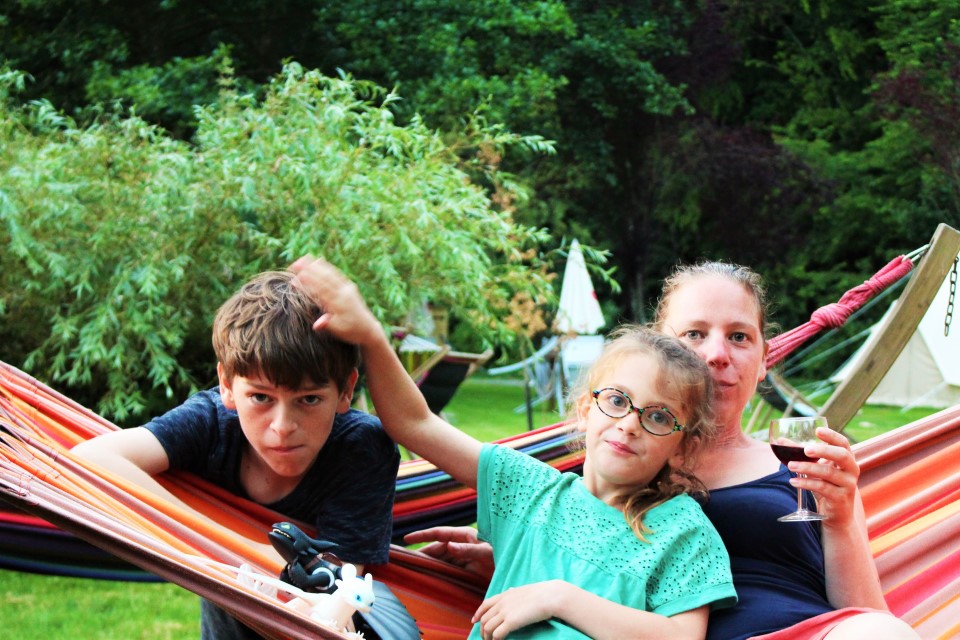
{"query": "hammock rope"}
pixel 835 314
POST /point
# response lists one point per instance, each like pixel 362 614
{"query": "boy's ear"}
pixel 226 389
pixel 346 395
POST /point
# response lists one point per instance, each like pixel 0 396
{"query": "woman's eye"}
pixel 739 337
pixel 693 334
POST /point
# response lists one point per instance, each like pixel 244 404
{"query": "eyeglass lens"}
pixel 617 404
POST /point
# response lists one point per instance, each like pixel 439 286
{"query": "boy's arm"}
pixel 134 454
pixel 137 455
pixel 587 612
pixel 399 403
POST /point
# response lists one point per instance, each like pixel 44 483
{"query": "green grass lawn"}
pixel 36 607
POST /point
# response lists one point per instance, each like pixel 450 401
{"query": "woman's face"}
pixel 720 319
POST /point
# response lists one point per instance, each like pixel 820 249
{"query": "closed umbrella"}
pixel 579 310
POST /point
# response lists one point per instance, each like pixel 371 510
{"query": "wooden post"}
pixel 893 336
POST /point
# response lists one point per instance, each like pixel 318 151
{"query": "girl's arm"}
pixel 399 403
pixel 852 579
pixel 587 612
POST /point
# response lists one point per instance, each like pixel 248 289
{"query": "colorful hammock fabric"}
pixel 910 483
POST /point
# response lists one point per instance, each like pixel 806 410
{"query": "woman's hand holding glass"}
pixel 832 478
pixel 831 472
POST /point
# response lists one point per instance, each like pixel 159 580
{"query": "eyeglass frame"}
pixel 676 423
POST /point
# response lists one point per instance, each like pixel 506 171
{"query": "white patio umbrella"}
pixel 579 310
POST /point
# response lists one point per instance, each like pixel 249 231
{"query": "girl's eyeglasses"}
pixel 655 420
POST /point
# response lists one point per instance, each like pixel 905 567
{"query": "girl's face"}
pixel 720 319
pixel 621 455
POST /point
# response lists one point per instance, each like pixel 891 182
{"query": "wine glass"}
pixel 788 437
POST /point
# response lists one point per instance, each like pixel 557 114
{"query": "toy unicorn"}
pixel 313 571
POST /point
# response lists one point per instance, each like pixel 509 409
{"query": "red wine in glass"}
pixel 789 453
pixel 788 437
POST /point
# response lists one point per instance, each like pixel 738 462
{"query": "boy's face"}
pixel 286 428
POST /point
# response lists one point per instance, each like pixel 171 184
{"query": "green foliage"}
pixel 157 93
pixel 122 242
pixel 812 140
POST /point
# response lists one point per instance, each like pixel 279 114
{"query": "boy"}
pixel 279 430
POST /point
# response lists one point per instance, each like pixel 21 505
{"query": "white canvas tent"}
pixel 927 371
pixel 575 344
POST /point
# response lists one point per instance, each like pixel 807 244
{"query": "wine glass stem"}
pixel 800 495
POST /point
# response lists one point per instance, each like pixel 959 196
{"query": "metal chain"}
pixel 953 294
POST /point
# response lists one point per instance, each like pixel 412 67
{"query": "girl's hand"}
pixel 515 608
pixel 833 478
pixel 345 314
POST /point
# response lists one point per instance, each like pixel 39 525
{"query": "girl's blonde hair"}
pixel 689 377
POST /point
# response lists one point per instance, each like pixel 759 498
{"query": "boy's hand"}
pixel 345 314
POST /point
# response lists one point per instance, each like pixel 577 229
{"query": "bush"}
pixel 121 242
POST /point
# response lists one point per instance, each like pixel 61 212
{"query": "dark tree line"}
pixel 809 139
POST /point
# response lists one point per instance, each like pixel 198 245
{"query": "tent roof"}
pixel 579 310
pixel 945 350
pixel 929 354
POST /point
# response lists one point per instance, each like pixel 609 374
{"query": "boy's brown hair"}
pixel 266 329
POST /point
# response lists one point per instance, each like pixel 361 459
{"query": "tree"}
pixel 121 242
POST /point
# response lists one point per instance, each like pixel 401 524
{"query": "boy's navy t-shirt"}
pixel 347 494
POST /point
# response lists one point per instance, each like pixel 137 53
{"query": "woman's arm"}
pixel 457 545
pixel 399 403
pixel 587 612
pixel 852 578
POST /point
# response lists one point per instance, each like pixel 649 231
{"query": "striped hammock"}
pixel 910 484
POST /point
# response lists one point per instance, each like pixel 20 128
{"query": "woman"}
pixel 794 580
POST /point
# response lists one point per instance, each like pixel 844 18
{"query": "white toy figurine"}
pixel 352 594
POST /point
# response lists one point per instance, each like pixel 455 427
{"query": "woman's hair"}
pixel 688 377
pixel 745 276
pixel 266 328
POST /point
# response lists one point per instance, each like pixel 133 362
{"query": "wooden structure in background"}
pixel 893 336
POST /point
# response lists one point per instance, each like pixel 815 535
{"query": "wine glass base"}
pixel 804 515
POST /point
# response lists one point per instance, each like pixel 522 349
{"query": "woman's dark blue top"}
pixel 778 568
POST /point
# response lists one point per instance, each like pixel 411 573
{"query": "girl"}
pixel 623 552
